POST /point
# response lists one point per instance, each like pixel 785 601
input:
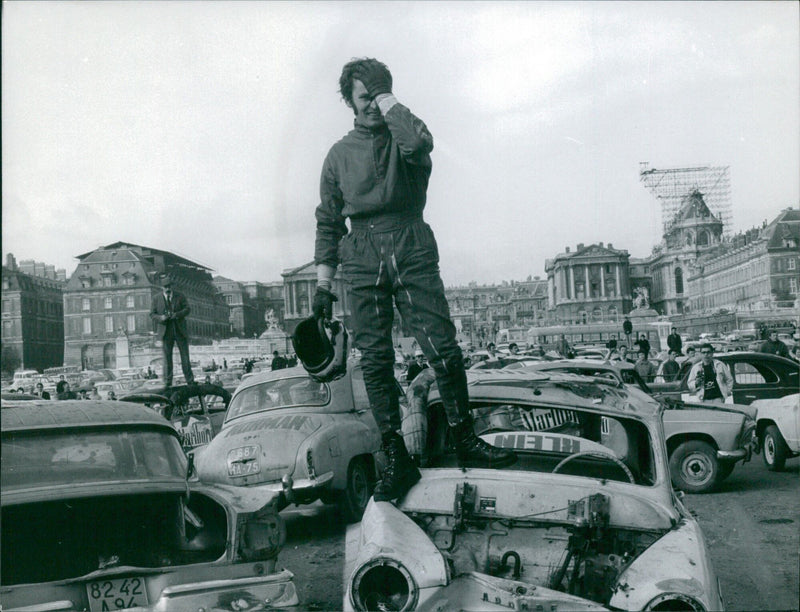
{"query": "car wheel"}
pixel 360 483
pixel 774 449
pixel 694 467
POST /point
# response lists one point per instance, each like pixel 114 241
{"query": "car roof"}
pixel 47 414
pixel 582 363
pixel 561 389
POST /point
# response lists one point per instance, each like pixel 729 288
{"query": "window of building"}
pixel 87 325
pixel 106 281
pixel 109 324
pixel 129 301
pixel 791 263
pixel 793 285
pixel 703 239
pixel 86 305
pixel 131 323
pixel 108 303
pixel 678 280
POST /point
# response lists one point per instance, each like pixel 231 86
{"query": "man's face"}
pixel 671 356
pixel 773 336
pixel 39 388
pixel 367 112
pixel 708 356
pixel 642 356
pixel 623 351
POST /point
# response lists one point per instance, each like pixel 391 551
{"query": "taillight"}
pixel 383 584
pixel 261 536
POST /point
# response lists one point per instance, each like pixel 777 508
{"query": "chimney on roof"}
pixel 601 245
pixel 580 246
pixel 610 246
pixel 11 263
pixel 567 249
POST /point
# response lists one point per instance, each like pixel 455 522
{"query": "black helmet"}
pixel 324 357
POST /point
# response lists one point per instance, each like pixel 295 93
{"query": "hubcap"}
pixel 769 449
pixel 360 487
pixel 697 468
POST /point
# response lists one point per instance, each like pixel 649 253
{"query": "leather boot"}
pixel 471 451
pixel 400 473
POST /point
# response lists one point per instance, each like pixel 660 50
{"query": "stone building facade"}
pixel 109 296
pixel 299 286
pixel 33 314
pixel 591 284
pixel 753 271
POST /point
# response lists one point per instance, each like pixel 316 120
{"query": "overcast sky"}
pixel 201 127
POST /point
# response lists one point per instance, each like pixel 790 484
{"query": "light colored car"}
pixel 585 520
pixel 303 439
pixel 779 429
pixel 99 512
pixel 704 442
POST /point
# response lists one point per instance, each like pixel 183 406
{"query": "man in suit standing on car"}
pixel 169 312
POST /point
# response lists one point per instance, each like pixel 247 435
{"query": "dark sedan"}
pixel 755 376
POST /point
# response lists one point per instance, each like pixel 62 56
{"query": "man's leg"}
pixel 421 300
pixel 372 311
pixel 186 365
pixel 167 344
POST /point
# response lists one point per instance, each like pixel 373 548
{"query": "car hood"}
pixel 258 449
pixel 514 493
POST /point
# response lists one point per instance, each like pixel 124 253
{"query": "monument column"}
pixel 602 280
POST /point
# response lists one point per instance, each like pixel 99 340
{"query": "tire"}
pixel 774 449
pixel 694 467
pixel 360 483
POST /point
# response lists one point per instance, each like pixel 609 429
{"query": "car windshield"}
pixel 280 393
pixel 33 459
pixel 568 441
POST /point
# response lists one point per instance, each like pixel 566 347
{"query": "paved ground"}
pixel 752 527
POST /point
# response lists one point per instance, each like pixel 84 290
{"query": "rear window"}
pixel 32 459
pixel 281 393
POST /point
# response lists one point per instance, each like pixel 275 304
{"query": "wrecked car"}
pixel 585 520
pixel 704 441
pixel 778 430
pixel 99 513
pixel 303 439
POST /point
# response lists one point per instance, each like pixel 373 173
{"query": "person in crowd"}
pixel 207 379
pixel 513 348
pixel 112 395
pixel 710 378
pixel 669 369
pixel 621 354
pixel 169 312
pixel 41 392
pixel 377 176
pixel 492 350
pixel 564 348
pixel 612 344
pixel 63 391
pixel 794 353
pixel 645 367
pixel 627 329
pixel 95 395
pixel 774 346
pixel 416 366
pixel 642 344
pixel 278 362
pixel 224 363
pixel 692 355
pixel 674 341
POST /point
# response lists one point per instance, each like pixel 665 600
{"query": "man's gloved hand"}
pixel 376 78
pixel 322 306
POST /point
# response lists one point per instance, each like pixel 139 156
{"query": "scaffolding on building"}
pixel 672 185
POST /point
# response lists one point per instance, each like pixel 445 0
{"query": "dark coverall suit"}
pixel 379 178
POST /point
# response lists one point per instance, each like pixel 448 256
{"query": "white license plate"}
pixel 243 461
pixel 116 594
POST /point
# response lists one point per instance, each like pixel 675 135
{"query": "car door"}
pixel 754 379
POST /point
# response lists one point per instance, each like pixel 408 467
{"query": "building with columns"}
pixel 299 286
pixel 591 284
pixel 693 232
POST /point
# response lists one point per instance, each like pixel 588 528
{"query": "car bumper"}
pixel 301 491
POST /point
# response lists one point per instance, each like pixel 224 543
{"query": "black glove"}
pixel 376 78
pixel 323 303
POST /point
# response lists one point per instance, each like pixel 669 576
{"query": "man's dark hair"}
pixel 512 345
pixel 690 349
pixel 707 346
pixel 349 72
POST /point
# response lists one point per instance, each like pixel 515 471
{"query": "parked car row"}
pixel 588 518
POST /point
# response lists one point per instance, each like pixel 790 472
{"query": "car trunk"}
pixel 62 539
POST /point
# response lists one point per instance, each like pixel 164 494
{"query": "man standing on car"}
pixel 669 370
pixel 645 368
pixel 169 311
pixel 710 378
pixel 674 341
pixel 774 346
pixel 627 329
pixel 377 175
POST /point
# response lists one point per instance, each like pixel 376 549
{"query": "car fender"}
pixel 677 564
pixel 785 413
pixel 723 426
pixel 386 532
pixel 334 445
